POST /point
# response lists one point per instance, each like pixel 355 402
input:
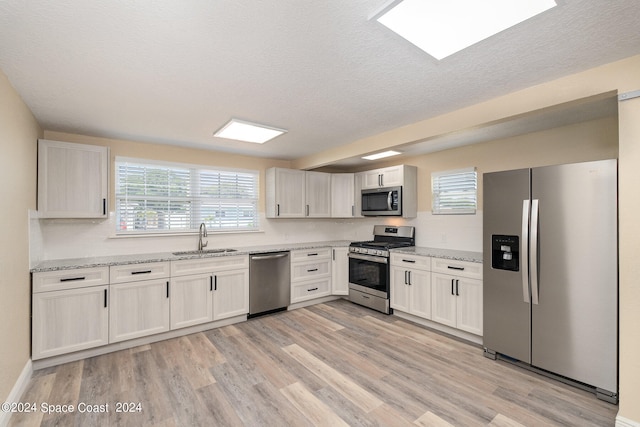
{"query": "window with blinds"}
pixel 454 191
pixel 162 197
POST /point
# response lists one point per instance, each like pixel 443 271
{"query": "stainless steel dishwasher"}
pixel 269 283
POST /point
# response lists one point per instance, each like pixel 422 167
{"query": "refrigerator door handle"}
pixel 524 251
pixel 534 251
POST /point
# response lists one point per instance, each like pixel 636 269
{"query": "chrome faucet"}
pixel 202 233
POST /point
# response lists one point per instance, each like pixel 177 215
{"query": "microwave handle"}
pixel 389 200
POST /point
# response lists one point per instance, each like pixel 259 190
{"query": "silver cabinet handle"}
pixel 524 250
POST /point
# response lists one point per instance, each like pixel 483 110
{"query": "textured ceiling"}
pixel 175 71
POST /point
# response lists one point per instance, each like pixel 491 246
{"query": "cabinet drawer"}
pixel 411 261
pixel 308 270
pixel 472 270
pixel 70 279
pixel 209 265
pixel 136 272
pixel 310 289
pixel 309 254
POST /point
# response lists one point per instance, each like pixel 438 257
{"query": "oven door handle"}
pixel 379 260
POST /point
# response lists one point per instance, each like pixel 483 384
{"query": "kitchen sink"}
pixel 205 251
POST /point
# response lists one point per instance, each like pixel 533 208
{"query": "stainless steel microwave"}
pixel 382 201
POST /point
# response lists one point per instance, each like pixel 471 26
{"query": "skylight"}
pixel 248 132
pixel 382 155
pixel 442 28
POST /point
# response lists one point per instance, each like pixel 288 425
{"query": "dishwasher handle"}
pixel 265 257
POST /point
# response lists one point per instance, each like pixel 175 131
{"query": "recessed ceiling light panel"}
pixel 382 155
pixel 248 132
pixel 442 28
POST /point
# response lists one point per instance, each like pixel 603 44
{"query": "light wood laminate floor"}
pixel 330 364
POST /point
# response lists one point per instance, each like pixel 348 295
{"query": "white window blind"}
pixel 161 197
pixel 455 191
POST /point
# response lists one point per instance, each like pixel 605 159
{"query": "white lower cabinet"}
pixel 230 294
pixel 310 274
pixel 411 284
pixel 191 300
pixel 340 271
pixel 138 309
pixel 205 290
pixel 69 320
pixel 457 299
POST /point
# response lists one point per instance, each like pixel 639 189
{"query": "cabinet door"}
pixel 469 314
pixel 340 271
pixel 290 193
pixel 358 185
pixel 443 299
pixel 392 176
pixel 372 179
pixel 342 195
pixel 138 309
pixel 420 293
pixel 191 300
pixel 72 180
pixel 400 289
pixel 69 320
pixel 230 294
pixel 318 194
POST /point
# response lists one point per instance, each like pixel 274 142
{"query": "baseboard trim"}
pixel 626 422
pixel 457 333
pixel 17 391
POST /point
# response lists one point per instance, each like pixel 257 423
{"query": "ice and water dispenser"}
pixel 505 252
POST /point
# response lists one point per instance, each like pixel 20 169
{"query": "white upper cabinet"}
pixel 295 193
pixel 298 194
pixel 386 177
pixel 285 193
pixel 73 180
pixel 318 194
pixel 343 195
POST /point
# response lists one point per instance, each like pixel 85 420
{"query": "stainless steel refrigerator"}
pixel 550 237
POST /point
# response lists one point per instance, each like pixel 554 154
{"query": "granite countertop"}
pixel 105 261
pixel 441 253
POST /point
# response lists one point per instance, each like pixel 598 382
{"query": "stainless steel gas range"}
pixel 369 275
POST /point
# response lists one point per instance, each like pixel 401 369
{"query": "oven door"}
pixel 369 274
